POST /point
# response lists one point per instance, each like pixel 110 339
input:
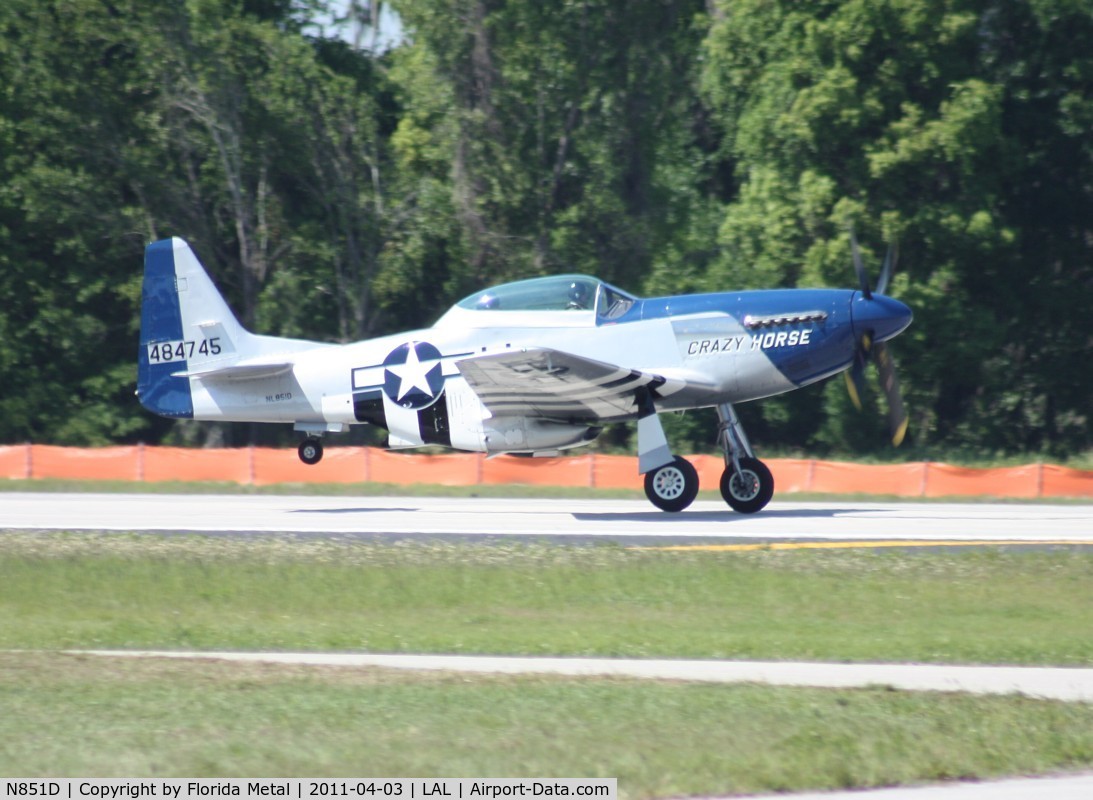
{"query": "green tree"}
pixel 72 222
pixel 125 122
pixel 667 146
pixel 562 127
pixel 930 122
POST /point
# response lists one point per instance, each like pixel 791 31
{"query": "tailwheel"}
pixel 750 489
pixel 311 450
pixel 672 487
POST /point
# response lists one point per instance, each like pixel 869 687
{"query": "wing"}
pixel 548 383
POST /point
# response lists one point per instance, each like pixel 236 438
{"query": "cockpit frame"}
pixel 554 293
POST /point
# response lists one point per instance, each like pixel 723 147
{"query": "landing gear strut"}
pixel 746 483
pixel 671 482
pixel 311 450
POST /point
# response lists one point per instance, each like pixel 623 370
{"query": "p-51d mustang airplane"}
pixel 528 368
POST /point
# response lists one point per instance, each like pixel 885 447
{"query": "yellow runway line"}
pixel 869 544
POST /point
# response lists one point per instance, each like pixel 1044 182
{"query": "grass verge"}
pixel 58 485
pixel 207 592
pixel 370 489
pixel 72 715
pixel 89 716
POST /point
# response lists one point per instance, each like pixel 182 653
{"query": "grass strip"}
pixel 89 716
pixel 996 606
pixel 370 489
pixel 59 485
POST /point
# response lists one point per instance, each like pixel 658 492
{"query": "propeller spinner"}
pixel 877 318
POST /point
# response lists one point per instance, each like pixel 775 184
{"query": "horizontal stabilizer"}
pixel 238 372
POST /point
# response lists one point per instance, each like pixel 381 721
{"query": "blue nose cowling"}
pixel 881 316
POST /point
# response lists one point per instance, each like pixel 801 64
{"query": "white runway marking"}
pixel 843 520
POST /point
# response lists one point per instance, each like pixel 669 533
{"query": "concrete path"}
pixel 1042 682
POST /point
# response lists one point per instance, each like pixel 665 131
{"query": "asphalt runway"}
pixel 706 524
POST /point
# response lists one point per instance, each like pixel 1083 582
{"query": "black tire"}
pixel 753 492
pixel 311 450
pixel 672 487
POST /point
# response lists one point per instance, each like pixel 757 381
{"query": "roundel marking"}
pixel 412 375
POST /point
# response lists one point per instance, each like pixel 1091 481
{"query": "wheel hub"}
pixel 669 483
pixel 744 485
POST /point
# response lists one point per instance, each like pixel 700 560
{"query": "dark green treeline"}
pixel 665 145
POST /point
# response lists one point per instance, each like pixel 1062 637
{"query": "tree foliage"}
pixel 928 123
pixel 672 145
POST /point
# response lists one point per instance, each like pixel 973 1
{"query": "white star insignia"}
pixel 414 374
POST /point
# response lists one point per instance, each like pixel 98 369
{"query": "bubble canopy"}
pixel 553 293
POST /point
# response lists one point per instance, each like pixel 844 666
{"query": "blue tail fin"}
pixel 184 323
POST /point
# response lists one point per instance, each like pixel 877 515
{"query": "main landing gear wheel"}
pixel 672 487
pixel 750 489
pixel 311 450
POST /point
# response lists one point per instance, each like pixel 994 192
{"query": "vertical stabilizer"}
pixel 184 325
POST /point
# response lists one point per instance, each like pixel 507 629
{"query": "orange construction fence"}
pixel 262 465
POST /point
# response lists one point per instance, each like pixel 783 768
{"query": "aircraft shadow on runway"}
pixel 685 517
pixel 652 516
